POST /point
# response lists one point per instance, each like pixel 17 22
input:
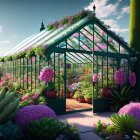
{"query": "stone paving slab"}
pixel 89 136
pixel 84 122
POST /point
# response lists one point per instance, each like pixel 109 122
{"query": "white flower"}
pixel 74 86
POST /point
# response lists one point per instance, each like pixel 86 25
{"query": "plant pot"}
pixel 88 100
pixel 82 100
pixel 71 95
pixel 67 95
pixel 50 94
pixel 106 92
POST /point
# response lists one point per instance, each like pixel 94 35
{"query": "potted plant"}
pixel 88 96
pixel 76 95
pixel 81 98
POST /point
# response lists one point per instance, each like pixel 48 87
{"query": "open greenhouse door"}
pixel 78 82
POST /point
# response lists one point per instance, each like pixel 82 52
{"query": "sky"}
pixel 20 19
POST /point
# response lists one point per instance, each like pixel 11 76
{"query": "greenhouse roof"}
pixel 54 35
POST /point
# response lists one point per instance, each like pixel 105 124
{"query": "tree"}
pixel 134 36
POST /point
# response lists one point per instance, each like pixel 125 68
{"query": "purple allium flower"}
pixel 33 112
pixel 120 77
pixel 132 108
pixel 132 79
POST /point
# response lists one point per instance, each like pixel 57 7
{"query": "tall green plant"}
pixel 134 35
pixel 122 97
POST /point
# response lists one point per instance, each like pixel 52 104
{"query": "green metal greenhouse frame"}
pixel 76 45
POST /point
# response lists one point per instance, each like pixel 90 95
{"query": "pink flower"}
pixel 2 83
pixel 25 80
pixel 132 79
pixel 120 77
pixel 94 77
pixel 97 39
pixel 96 48
pixel 104 47
pixel 24 98
pixel 33 59
pixel 46 75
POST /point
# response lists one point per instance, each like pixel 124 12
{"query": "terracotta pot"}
pixel 51 94
pixel 88 100
pixel 106 92
pixel 82 100
pixel 71 95
pixel 67 95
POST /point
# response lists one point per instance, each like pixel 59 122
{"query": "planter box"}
pixel 101 104
pixel 58 105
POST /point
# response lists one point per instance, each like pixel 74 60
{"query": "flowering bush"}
pixel 46 74
pixel 132 79
pixel 33 112
pixel 120 77
pixel 132 108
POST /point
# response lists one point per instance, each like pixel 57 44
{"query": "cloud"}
pixel 5 42
pixel 124 10
pixel 0 28
pixel 15 36
pixel 115 27
pixel 103 8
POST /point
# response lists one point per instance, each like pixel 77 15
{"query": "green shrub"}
pixel 46 128
pixel 99 127
pixel 110 130
pixel 11 131
pixel 124 124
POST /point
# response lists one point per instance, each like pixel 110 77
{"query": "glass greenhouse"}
pixel 76 48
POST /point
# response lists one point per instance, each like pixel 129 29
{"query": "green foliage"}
pixel 51 86
pixel 11 131
pixel 88 93
pixel 8 106
pixel 81 95
pixel 43 87
pixel 122 97
pixel 69 132
pixel 16 85
pixel 30 53
pixel 124 124
pixel 110 130
pixel 2 93
pixel 77 93
pixel 46 128
pixel 99 127
pixel 136 135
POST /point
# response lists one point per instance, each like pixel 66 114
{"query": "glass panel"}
pixel 123 50
pixel 113 46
